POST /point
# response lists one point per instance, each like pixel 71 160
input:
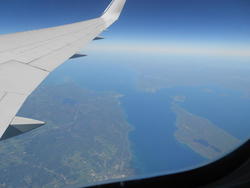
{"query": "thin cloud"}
pixel 172 49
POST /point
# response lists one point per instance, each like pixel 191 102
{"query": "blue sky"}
pixel 174 26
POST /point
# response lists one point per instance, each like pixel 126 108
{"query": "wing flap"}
pixel 9 106
pixel 28 54
pixel 16 77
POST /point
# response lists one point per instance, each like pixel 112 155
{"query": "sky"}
pixel 210 27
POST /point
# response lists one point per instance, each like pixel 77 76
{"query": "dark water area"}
pixel 153 144
pixel 225 108
pixel 156 149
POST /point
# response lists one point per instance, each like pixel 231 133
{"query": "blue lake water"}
pixel 153 144
pixel 156 149
pixel 153 141
pixel 230 112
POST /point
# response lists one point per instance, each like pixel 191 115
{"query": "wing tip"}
pixel 113 11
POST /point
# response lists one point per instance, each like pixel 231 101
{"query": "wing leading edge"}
pixel 27 58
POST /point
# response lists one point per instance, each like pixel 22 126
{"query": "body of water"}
pixel 153 143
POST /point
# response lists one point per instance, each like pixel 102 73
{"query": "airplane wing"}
pixel 27 58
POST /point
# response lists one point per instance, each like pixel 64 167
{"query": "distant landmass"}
pixel 201 135
pixel 175 72
pixel 84 141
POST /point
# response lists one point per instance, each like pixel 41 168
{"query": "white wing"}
pixel 27 58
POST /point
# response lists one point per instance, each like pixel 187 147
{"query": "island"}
pixel 201 135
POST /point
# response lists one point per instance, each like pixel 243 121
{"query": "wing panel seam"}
pixel 49 39
pixel 4 95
